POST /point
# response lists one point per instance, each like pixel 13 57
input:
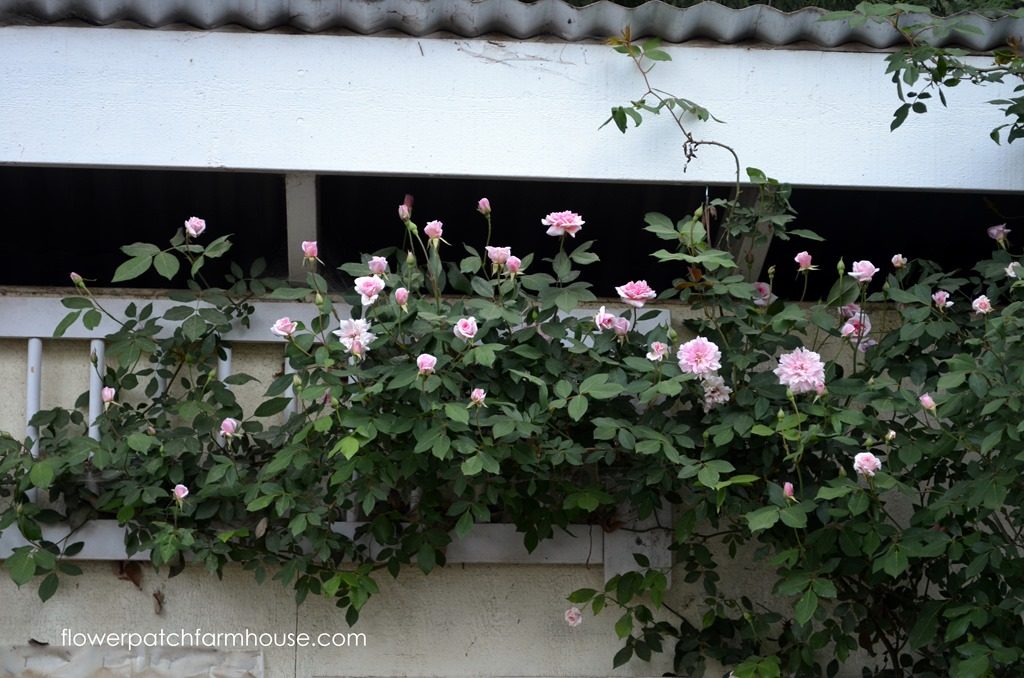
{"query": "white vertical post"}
pixel 224 364
pixel 301 216
pixel 97 370
pixel 34 382
pixel 293 405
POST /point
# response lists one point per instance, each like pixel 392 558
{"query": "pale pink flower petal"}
pixel 477 396
pixel 898 261
pixel 863 271
pixel 283 327
pixel 998 233
pixel 636 293
pixel 715 391
pixel 483 206
pixel 699 356
pixel 927 402
pixel 803 261
pixel 180 492
pixel 787 490
pixel 563 223
pixel 434 229
pixel 801 371
pixel 866 464
pixel 982 305
pixel 369 288
pixel 465 328
pixel 659 350
pixel 573 616
pixel 603 320
pixel 426 362
pixel 309 249
pixel 941 299
pixel 378 265
pixel 107 395
pixel 763 294
pixel 195 226
pixel 229 427
pixel 513 265
pixel 498 255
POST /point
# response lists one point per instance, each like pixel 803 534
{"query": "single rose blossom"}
pixel 498 255
pixel 998 233
pixel 309 249
pixel 857 327
pixel 79 281
pixel 180 492
pixel 898 261
pixel 715 391
pixel 787 490
pixel 465 328
pixel 563 223
pixel 621 326
pixel 927 402
pixel 378 265
pixel 636 293
pixel 195 226
pixel 763 294
pixel 229 427
pixel 1012 271
pixel 283 327
pixel 426 362
pixel 866 464
pixel 659 350
pixel 402 298
pixel 982 305
pixel 483 206
pixel 405 209
pixel 513 265
pixel 369 288
pixel 863 271
pixel 603 320
pixel 355 335
pixel 890 436
pixel 803 261
pixel 434 229
pixel 107 395
pixel 801 371
pixel 699 356
pixel 573 616
pixel 849 311
pixel 864 344
pixel 941 299
pixel 476 397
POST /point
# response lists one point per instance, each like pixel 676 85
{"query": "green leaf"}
pixel 140 249
pixel 473 465
pixel 762 518
pixel 76 302
pixel 291 293
pixel 48 586
pixel 132 268
pixel 260 503
pixel 21 565
pixel 194 328
pixel 457 412
pixel 806 606
pixel 834 492
pixel 926 626
pixel 140 442
pixel 348 446
pixel 269 408
pixel 42 474
pixel 67 322
pixel 166 264
pixel 578 407
pixel 624 626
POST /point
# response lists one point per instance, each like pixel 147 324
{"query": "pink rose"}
pixel 466 328
pixel 563 223
pixel 79 281
pixel 898 261
pixel 636 293
pixel 857 327
pixel 998 233
pixel 803 261
pixel 866 464
pixel 890 436
pixel 434 229
pixel 355 336
pixel 476 397
pixel 621 326
pixel 229 427
pixel 107 395
pixel 763 294
pixel 309 249
pixel 715 391
pixel 849 311
pixel 513 265
pixel 573 616
pixel 402 297
pixel 284 327
pixel 659 350
pixel 863 271
pixel 927 402
pixel 426 362
pixel 604 321
pixel 405 209
pixel 982 305
pixel 801 371
pixel 483 206
pixel 941 299
pixel 378 265
pixel 1012 270
pixel 699 356
pixel 787 490
pixel 369 287
pixel 195 226
pixel 498 255
pixel 180 492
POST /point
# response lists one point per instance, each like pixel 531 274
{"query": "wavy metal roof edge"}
pixel 520 20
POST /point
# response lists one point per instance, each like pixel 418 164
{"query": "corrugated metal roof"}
pixel 473 18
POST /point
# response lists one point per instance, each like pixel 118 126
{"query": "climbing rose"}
pixel 787 490
pixel 355 335
pixel 659 350
pixel 856 328
pixel 604 321
pixel 803 261
pixel 369 287
pixel 378 265
pixel 763 294
pixel 284 327
pixel 107 394
pixel 425 362
pixel 866 464
pixel 699 356
pixel 79 281
pixel 563 223
pixel 483 206
pixel 863 271
pixel 849 311
pixel 195 226
pixel 715 391
pixel 998 233
pixel 941 299
pixel 801 371
pixel 309 249
pixel 621 326
pixel 513 265
pixel 466 328
pixel 636 293
pixel 405 209
pixel 890 436
pixel 229 427
pixel 982 305
pixel 180 492
pixel 498 255
pixel 898 261
pixel 476 398
pixel 573 616
pixel 1011 270
pixel 402 297
pixel 434 229
pixel 927 402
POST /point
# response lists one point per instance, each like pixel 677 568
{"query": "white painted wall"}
pixel 499 108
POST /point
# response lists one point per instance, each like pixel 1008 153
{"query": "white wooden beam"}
pixel 301 210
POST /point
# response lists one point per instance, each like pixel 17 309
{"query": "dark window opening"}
pixel 60 220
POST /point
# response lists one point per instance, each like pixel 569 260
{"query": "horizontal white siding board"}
pixel 472 107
